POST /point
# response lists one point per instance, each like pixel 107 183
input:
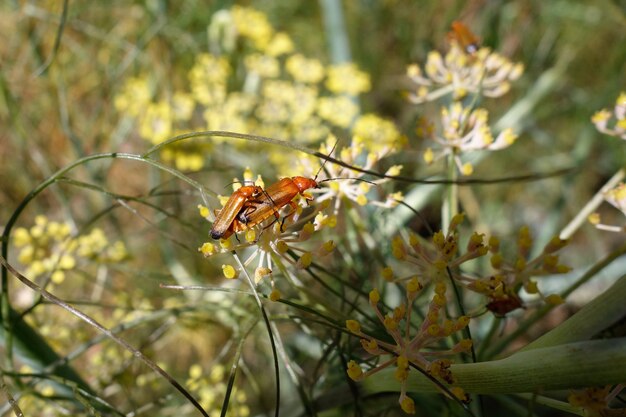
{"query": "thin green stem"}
pixel 451 200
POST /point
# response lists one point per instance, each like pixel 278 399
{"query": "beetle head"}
pixel 304 183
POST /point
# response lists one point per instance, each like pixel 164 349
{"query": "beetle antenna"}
pixel 325 160
pixel 348 178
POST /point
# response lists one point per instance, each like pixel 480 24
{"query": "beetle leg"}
pixel 244 214
pixel 294 207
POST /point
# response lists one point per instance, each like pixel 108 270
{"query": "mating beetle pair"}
pixel 251 205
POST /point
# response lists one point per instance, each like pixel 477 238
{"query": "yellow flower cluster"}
pixel 595 401
pixel 48 248
pixel 272 91
pixel 412 351
pixel 466 130
pixel 501 288
pixel 460 73
pixel 463 127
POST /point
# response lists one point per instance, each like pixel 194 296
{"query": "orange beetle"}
pixel 275 197
pixel 462 35
pixel 254 209
pixel 224 226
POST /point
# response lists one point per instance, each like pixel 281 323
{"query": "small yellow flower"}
pixel 407 404
pixel 390 323
pixel 275 295
pixel 348 79
pixel 371 346
pixel 594 218
pixel 354 326
pixel 374 296
pixel 554 299
pixel 338 110
pixel 134 96
pixel 354 371
pixel 155 124
pixel 398 249
pixel 305 70
pixel 460 394
pixel 612 123
pixel 414 285
pixel 282 247
pixel 230 272
pixel 254 25
pixel 305 260
pixel 531 287
pixel 264 65
pixel 280 44
pixel 467 169
pixel 377 134
pixel 260 273
pixel 429 156
pixel 204 211
pixel 58 277
pixel 387 274
pixel 329 246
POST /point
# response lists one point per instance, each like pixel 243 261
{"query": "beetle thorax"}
pixel 304 183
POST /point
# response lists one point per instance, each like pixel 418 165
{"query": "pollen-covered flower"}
pixel 459 73
pixel 465 130
pixel 612 122
pixel 412 347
